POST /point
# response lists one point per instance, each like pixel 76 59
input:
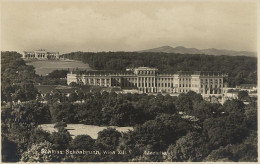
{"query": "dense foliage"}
pixel 17 78
pixel 168 134
pixel 58 74
pixel 111 108
pixel 165 128
pixel 240 69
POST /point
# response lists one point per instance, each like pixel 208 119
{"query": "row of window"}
pixel 184 79
pixel 183 85
pixel 211 91
pixel 211 80
pixel 210 86
pixel 116 82
pixel 146 72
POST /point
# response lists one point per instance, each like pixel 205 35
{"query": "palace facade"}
pixel 149 80
pixel 40 54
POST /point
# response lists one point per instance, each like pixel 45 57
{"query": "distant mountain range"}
pixel 211 51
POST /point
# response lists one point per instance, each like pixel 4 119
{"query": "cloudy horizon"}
pixel 127 26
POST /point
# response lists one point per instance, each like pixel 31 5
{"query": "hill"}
pixel 211 51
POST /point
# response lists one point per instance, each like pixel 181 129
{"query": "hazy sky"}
pixel 127 26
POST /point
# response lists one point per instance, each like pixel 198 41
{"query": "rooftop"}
pixel 132 71
pixel 80 72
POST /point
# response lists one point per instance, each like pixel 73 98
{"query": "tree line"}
pixel 240 69
pixel 220 133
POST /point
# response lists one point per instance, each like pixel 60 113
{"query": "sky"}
pixel 127 26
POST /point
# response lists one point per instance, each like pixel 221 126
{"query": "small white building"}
pixel 40 54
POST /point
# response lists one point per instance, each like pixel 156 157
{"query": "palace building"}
pixel 149 80
pixel 40 54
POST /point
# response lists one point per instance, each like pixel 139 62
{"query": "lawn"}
pixel 43 67
pixel 81 129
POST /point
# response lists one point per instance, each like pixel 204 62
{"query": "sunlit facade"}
pixel 149 80
pixel 40 54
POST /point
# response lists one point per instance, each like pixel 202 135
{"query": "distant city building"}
pixel 149 80
pixel 40 54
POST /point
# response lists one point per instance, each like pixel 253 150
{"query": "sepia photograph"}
pixel 129 81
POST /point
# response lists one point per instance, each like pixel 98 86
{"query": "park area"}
pixel 44 67
pixel 81 129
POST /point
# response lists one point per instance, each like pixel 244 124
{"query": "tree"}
pixel 82 142
pixel 38 135
pixel 243 95
pixel 73 97
pixel 234 106
pixel 39 153
pixel 9 150
pixel 63 112
pixel 108 139
pixel 161 132
pixel 30 91
pixel 225 130
pixel 121 115
pixel 185 102
pixel 247 150
pixel 73 84
pixel 81 95
pixel 251 116
pixel 192 147
pixel 203 110
pixel 58 74
pixel 223 154
pixel 60 139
